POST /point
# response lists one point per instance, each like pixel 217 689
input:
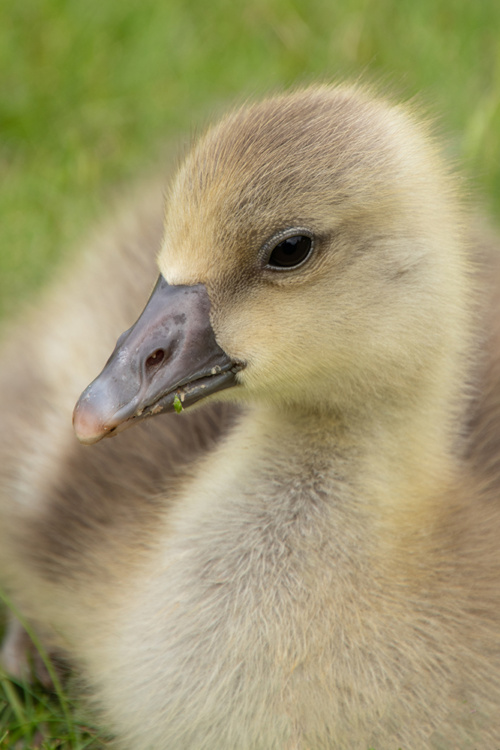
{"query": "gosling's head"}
pixel 311 259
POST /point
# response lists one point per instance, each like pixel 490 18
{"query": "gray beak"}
pixel 168 360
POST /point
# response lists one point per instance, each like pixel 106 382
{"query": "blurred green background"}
pixel 92 89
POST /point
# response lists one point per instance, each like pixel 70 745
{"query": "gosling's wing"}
pixel 483 430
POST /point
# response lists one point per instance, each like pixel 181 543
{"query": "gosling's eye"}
pixel 291 252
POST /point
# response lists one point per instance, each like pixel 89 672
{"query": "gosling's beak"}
pixel 168 360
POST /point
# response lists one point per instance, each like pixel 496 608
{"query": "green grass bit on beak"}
pixel 177 404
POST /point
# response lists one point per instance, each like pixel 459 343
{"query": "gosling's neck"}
pixel 394 455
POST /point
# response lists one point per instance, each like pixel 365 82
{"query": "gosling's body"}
pixel 316 566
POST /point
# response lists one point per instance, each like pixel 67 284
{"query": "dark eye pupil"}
pixel 291 252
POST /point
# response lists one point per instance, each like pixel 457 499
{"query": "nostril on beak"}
pixel 155 359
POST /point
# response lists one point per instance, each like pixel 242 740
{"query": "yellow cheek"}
pixel 251 334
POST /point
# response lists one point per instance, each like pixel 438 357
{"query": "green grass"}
pixel 92 90
pixel 30 718
pixel 33 717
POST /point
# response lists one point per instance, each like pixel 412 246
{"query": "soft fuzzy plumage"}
pixel 318 566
